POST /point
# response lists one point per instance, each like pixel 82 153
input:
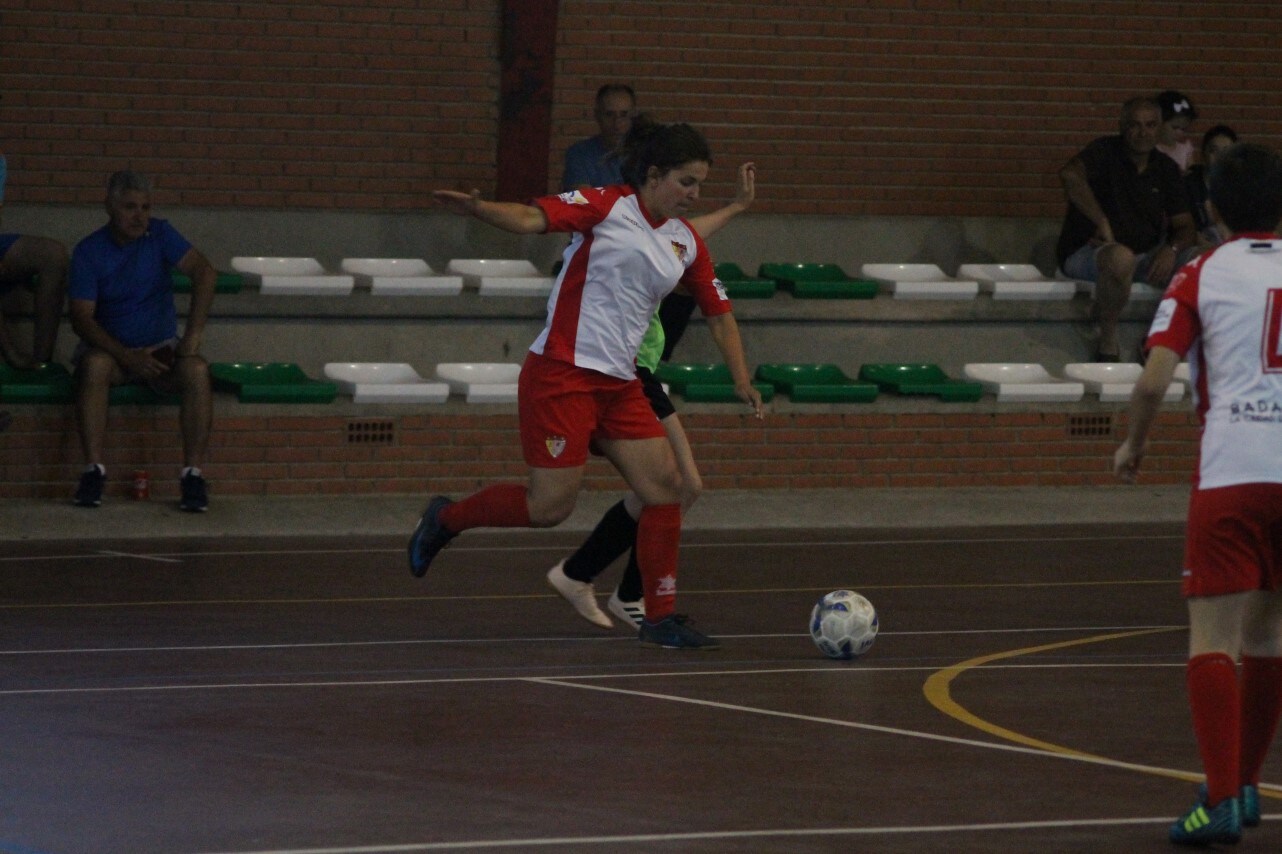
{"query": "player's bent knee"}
pixel 550 516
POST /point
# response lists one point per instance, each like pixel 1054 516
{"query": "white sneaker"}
pixel 579 594
pixel 630 612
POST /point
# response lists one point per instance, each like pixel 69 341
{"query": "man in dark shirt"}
pixel 1128 217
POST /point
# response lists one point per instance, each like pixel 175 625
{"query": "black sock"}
pixel 612 536
pixel 630 589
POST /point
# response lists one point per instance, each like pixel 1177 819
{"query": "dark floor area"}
pixel 302 695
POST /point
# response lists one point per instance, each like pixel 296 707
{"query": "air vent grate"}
pixel 374 432
pixel 1090 426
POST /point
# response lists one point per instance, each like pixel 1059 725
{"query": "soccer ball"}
pixel 843 624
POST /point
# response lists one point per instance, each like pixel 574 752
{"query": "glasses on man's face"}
pixel 615 114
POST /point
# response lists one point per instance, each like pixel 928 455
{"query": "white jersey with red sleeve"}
pixel 619 265
pixel 1224 311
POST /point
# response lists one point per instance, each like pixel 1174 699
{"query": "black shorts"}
pixel 659 400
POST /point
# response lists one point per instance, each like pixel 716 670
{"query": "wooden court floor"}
pixel 307 695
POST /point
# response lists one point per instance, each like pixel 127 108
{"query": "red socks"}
pixel 500 506
pixel 1213 698
pixel 1261 706
pixel 658 541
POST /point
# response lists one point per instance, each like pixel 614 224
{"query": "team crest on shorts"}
pixel 680 250
pixel 555 445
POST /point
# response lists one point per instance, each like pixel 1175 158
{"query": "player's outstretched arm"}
pixel 745 194
pixel 509 216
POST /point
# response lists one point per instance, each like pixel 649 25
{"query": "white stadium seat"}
pixel 1022 382
pixel 384 382
pixel 1017 282
pixel 919 281
pixel 401 276
pixel 1114 381
pixel 501 277
pixel 297 276
pixel 481 382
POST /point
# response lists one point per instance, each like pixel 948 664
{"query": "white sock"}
pixel 190 470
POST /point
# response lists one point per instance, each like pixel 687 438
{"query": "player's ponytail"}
pixel 664 147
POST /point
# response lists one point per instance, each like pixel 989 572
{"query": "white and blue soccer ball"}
pixel 843 624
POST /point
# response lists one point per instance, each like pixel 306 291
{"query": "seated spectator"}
pixel 1178 115
pixel 1214 142
pixel 591 162
pixel 38 264
pixel 122 307
pixel 1128 217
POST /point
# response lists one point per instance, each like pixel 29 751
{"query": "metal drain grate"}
pixel 378 432
pixel 1090 426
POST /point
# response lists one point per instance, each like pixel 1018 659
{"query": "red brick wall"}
pixel 456 453
pixel 935 107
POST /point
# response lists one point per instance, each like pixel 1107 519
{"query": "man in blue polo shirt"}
pixel 122 307
pixel 589 162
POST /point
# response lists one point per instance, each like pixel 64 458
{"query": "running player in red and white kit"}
pixel 1224 311
pixel 578 387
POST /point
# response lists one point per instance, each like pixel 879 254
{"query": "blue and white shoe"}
pixel 429 537
pixel 675 632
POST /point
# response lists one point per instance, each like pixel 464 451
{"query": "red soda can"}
pixel 142 487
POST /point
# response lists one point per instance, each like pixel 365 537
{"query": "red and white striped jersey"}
pixel 619 265
pixel 1224 312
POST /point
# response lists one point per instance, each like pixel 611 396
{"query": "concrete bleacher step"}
pixel 400 276
pixel 384 382
pixel 920 281
pixel 291 276
pixel 501 277
pixel 1022 382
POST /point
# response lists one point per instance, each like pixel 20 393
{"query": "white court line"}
pixel 457 548
pixel 473 844
pixel 107 650
pixel 488 597
pixel 830 668
pixel 157 558
pixel 884 730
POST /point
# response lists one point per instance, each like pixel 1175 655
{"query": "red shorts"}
pixel 564 407
pixel 1234 540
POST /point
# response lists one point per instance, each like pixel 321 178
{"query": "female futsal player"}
pixel 578 386
pixel 616 532
pixel 1224 311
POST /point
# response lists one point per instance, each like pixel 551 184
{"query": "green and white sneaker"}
pixel 1203 825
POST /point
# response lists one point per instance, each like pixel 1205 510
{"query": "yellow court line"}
pixel 937 689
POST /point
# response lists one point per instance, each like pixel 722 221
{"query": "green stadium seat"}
pixel 818 281
pixel 54 384
pixel 270 382
pixel 226 283
pixel 739 285
pixel 817 383
pixel 50 383
pixel 921 378
pixel 705 383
